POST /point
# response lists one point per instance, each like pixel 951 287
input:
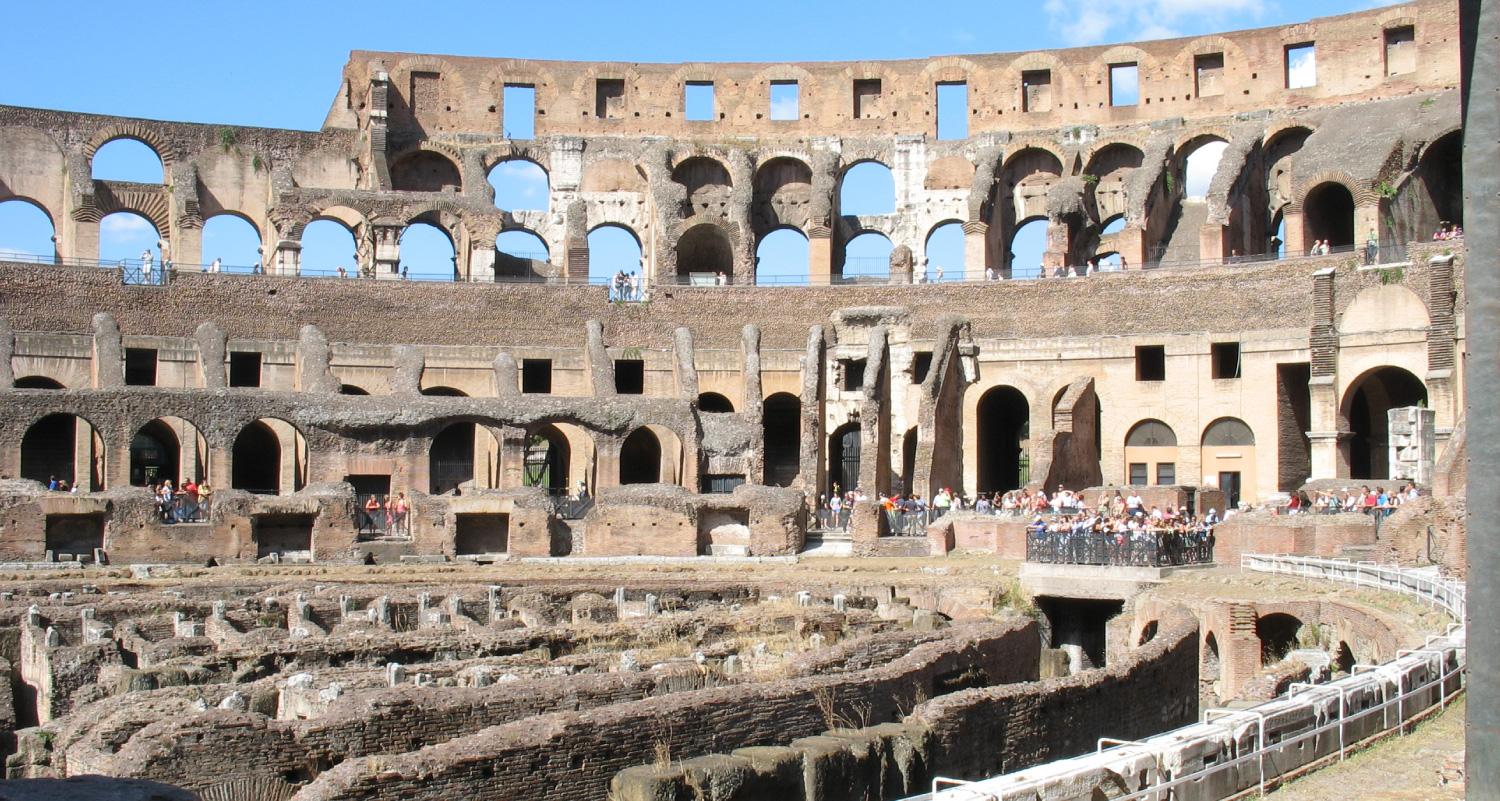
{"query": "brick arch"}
pixel 138 130
pixel 514 70
pixel 1123 53
pixel 950 68
pixel 683 225
pixel 451 86
pixel 495 155
pixel 1362 193
pixel 1203 45
pixel 583 86
pixel 1134 141
pixel 153 205
pixel 716 154
pixel 1300 32
pixel 782 72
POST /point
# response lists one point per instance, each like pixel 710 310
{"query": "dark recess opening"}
pixel 75 534
pixel 244 369
pixel 630 376
pixel 1151 363
pixel 1080 622
pixel 481 534
pixel 1226 359
pixel 921 364
pixel 140 367
pixel 1278 636
pixel 854 374
pixel 536 376
pixel 282 534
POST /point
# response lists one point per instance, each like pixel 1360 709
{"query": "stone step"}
pixel 728 549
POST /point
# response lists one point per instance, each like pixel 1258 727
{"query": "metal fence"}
pixel 570 507
pixel 380 520
pixel 1149 549
pixel 1309 726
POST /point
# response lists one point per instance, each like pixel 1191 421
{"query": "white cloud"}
pixel 1302 69
pixel 516 181
pixel 126 224
pixel 784 108
pixel 1089 22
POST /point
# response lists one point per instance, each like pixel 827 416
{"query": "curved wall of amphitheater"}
pixel 978 385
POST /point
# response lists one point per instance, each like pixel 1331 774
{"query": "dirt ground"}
pixel 1410 768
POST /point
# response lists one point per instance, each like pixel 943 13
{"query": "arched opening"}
pixel 1328 215
pixel 520 185
pixel 1151 454
pixel 328 245
pixel 1027 247
pixel 127 159
pixel 843 459
pixel 612 249
pixel 38 382
pixel 640 458
pixel 350 389
pixel 1107 253
pixel 257 460
pixel 715 403
pixel 782 257
pixel 444 392
pixel 1278 636
pixel 1430 203
pixel 1343 659
pixel 427 253
pixel 1227 454
pixel 1201 164
pixel 1367 405
pixel 783 193
pixel 63 448
pixel 867 188
pixel 1211 661
pixel 521 253
pixel 867 254
pixel 945 252
pixel 450 461
pixel 781 426
pixel 1004 417
pixel 128 236
pixel 1109 169
pixel 425 171
pixel 546 460
pixel 707 183
pixel 155 455
pixel 233 241
pixel 26 228
pixel 703 252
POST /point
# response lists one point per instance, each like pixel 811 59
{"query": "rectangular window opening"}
pixel 953 110
pixel 536 376
pixel 1301 66
pixel 1036 90
pixel 1226 359
pixel 1400 50
pixel 1137 473
pixel 609 98
pixel 698 101
pixel 1166 474
pixel 1151 363
pixel 244 369
pixel 921 365
pixel 866 98
pixel 854 374
pixel 1124 84
pixel 630 377
pixel 786 100
pixel 140 367
pixel 720 483
pixel 1208 74
pixel 519 121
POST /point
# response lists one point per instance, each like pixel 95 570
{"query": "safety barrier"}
pixel 1232 751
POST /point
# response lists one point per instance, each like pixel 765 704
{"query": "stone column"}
pixel 387 251
pixel 819 255
pixel 976 249
pixel 1131 244
pixel 1212 243
pixel 286 259
pixel 1296 237
pixel 607 461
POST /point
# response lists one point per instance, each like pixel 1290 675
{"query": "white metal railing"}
pixel 1372 702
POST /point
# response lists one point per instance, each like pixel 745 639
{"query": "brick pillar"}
pixel 607 461
pixel 819 256
pixel 576 260
pixel 1296 237
pixel 1131 244
pixel 512 457
pixel 286 259
pixel 1328 430
pixel 1213 243
pixel 1442 396
pixel 976 251
pixel 1240 650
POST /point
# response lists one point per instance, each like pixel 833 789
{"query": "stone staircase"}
pixel 1187 226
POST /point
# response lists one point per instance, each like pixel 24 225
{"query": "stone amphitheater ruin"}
pixel 618 576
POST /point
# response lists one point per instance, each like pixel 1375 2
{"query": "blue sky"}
pixel 279 66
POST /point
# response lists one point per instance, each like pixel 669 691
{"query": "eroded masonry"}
pixel 1294 327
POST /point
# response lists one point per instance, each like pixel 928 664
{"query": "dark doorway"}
pixel 48 448
pixel 908 461
pixel 1278 636
pixel 1329 211
pixel 714 403
pixel 782 426
pixel 1229 482
pixel 1373 396
pixel 640 458
pixel 1004 435
pixel 843 459
pixel 257 460
pixel 1079 622
pixel 546 460
pixel 283 535
pixel 77 535
pixel 451 460
pixel 481 534
pixel 154 455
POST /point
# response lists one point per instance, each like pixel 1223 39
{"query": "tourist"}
pixel 990 274
pixel 342 273
pixel 146 266
pixel 399 508
pixel 52 483
pixel 634 286
pixel 189 496
pixel 372 512
pixel 205 498
pixel 1372 248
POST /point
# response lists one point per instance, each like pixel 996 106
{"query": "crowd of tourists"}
pixel 189 503
pixel 1448 232
pixel 1377 502
pixel 627 286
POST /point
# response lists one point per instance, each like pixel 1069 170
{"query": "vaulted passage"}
pixel 1004 440
pixel 640 458
pixel 451 460
pixel 843 459
pixel 1367 405
pixel 781 426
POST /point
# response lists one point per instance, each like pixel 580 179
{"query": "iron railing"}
pixel 1145 549
pixel 380 521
